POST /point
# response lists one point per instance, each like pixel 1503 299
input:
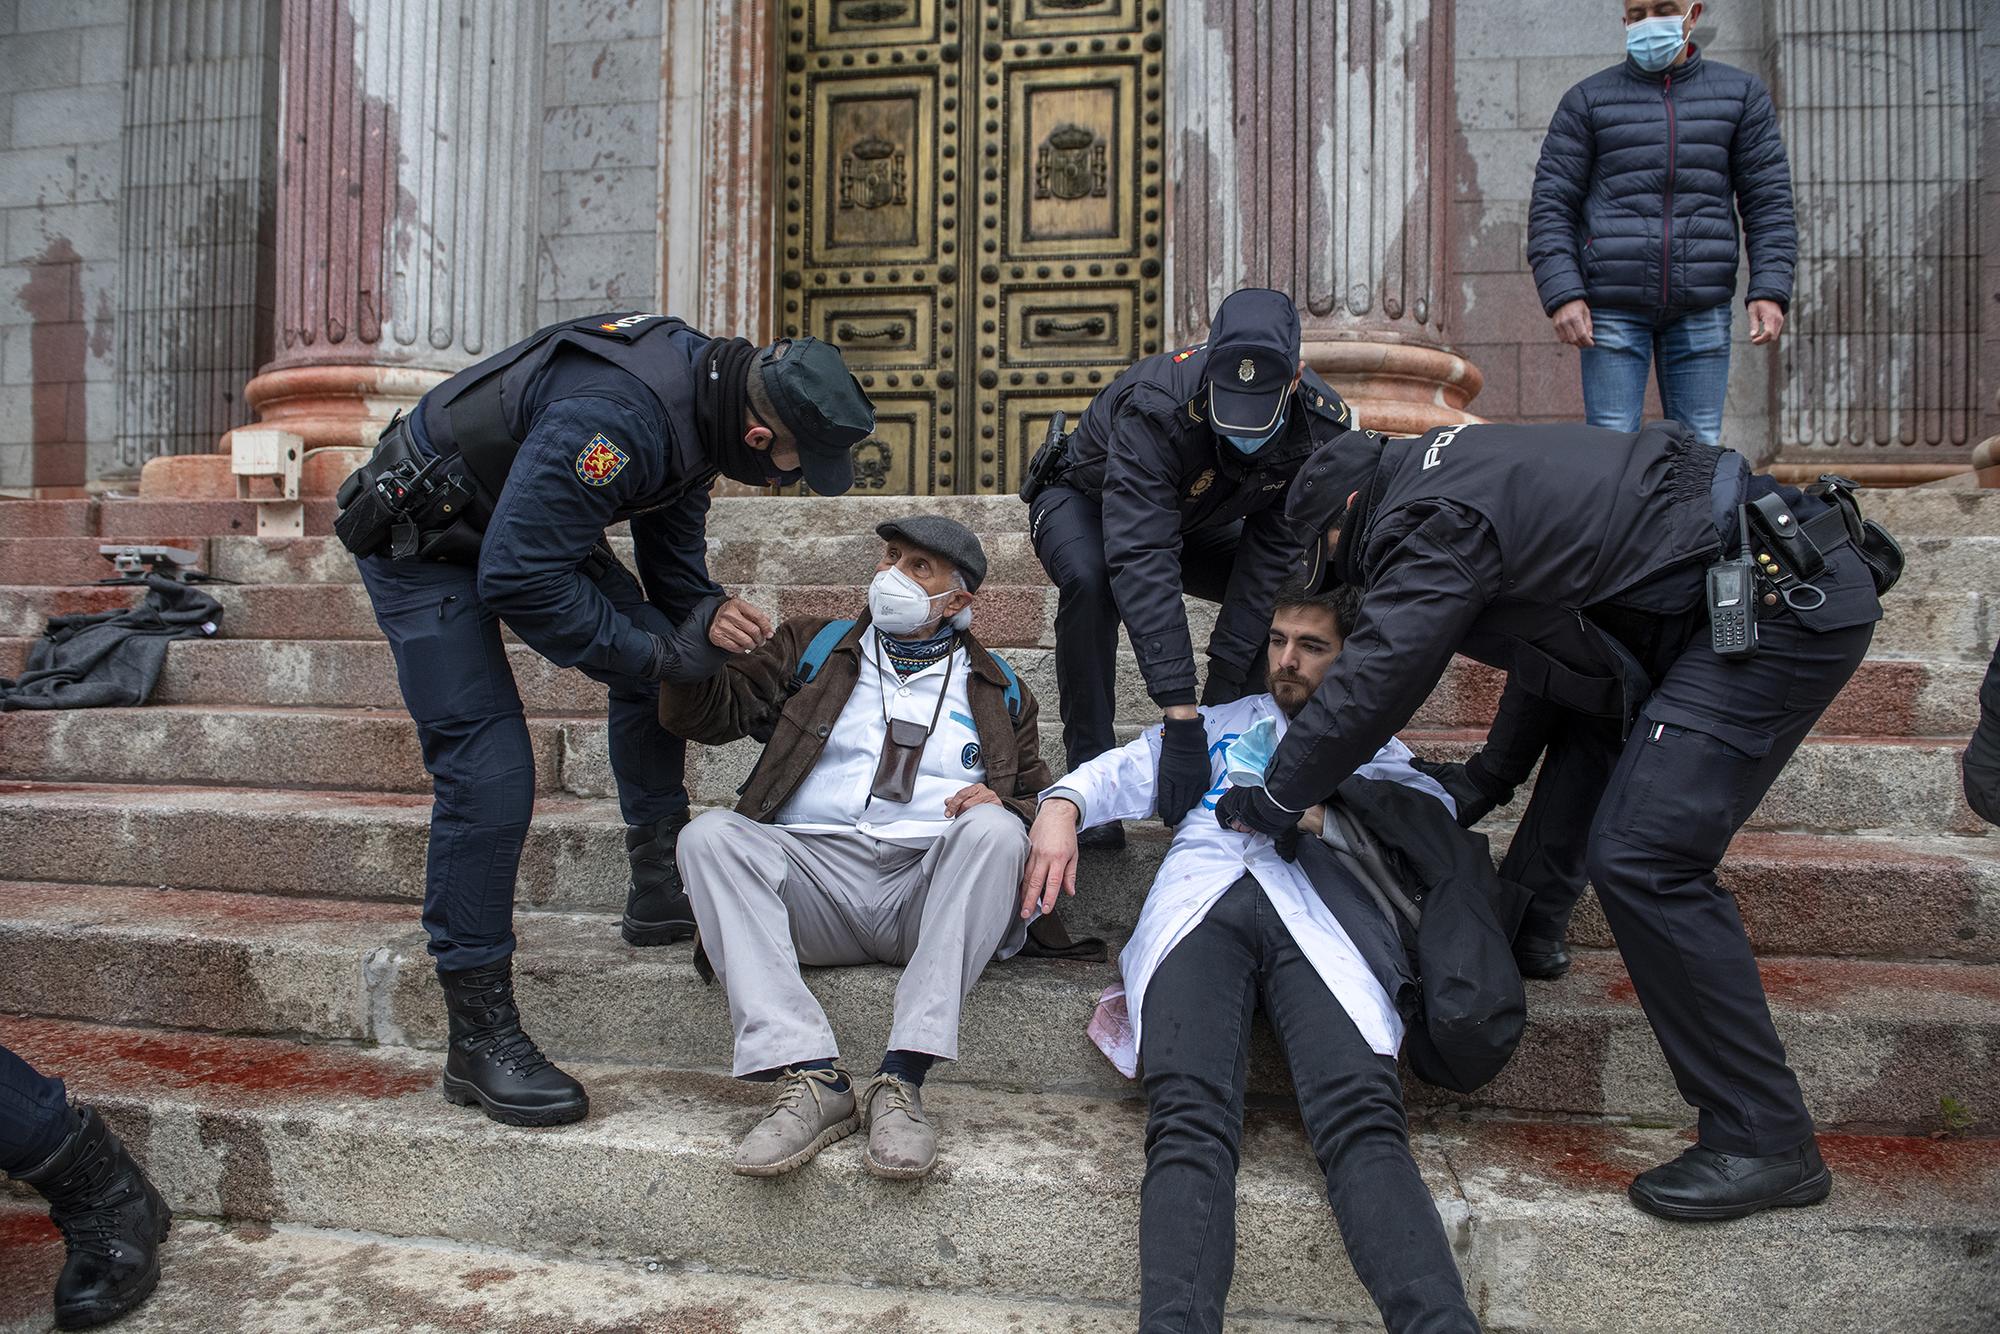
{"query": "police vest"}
pixel 482 414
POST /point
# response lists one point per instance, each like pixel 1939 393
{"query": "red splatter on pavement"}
pixel 31 1255
pixel 138 1061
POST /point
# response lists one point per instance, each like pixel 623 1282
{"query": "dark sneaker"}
pixel 1104 837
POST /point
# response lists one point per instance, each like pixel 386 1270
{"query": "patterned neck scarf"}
pixel 910 656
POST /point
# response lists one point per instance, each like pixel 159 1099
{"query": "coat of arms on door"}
pixel 871 175
pixel 1070 164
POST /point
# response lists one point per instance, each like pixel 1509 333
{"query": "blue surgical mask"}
pixel 1249 755
pixel 1250 444
pixel 1655 44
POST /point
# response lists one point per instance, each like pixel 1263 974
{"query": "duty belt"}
pixel 1790 552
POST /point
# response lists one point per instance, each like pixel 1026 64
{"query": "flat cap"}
pixel 821 404
pixel 946 537
pixel 1253 353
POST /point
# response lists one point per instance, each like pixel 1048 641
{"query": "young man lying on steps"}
pixel 1231 923
pixel 886 822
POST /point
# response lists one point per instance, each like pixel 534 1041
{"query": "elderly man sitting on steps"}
pixel 884 823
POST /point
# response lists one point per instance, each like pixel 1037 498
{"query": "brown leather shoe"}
pixel 901 1144
pixel 810 1114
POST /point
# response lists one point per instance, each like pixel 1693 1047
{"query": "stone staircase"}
pixel 208 926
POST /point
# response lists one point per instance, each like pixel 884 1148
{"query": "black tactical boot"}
pixel 657 911
pixel 112 1221
pixel 491 1062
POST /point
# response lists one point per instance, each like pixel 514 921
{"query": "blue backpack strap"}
pixel 822 644
pixel 1013 685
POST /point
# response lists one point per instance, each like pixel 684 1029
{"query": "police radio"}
pixel 1732 599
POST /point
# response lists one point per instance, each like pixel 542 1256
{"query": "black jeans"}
pixel 1067 529
pixel 34 1114
pixel 1194 1047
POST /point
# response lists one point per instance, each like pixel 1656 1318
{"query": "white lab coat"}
pixel 1205 859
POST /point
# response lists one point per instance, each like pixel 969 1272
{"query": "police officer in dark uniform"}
pixel 1580 560
pixel 487 506
pixel 1174 482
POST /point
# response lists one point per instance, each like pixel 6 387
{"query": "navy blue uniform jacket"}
pixel 601 447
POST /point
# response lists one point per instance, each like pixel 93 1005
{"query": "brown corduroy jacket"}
pixel 747 698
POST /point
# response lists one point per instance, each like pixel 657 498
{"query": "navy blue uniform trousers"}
pixel 1195 1050
pixel 34 1114
pixel 453 670
pixel 1648 818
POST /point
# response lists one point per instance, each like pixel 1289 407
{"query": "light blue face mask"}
pixel 1250 444
pixel 1655 44
pixel 1249 755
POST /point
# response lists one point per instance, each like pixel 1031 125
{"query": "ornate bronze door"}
pixel 972 213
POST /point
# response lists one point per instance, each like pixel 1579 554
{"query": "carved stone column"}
pixel 1309 152
pixel 716 191
pixel 409 165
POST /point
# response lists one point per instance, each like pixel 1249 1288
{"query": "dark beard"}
pixel 1305 694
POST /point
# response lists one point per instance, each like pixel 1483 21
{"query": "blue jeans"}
pixel 1691 352
pixel 34 1114
pixel 453 670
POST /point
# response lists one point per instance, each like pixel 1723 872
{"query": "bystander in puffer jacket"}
pixel 1639 165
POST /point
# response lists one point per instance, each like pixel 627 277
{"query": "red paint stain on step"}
pixel 1909 1165
pixel 1815 985
pixel 1575 1156
pixel 273 1070
pixel 475 1279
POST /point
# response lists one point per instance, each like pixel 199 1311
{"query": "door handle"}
pixel 1092 327
pixel 850 332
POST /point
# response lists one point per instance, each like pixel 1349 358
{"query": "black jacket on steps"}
pixel 111 658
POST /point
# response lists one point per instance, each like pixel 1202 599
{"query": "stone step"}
pixel 1801 894
pixel 68 561
pixel 238 1278
pixel 1887 697
pixel 249 611
pixel 1833 785
pixel 1876 1044
pixel 1036 1195
pixel 1936 564
pixel 47 518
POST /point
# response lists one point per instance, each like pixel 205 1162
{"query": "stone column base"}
pixel 1399 388
pixel 337 406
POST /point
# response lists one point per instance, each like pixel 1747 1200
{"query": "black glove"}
pixel 1253 808
pixel 1474 802
pixel 1224 684
pixel 1183 775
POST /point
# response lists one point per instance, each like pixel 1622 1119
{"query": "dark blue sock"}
pixel 839 1085
pixel 908 1066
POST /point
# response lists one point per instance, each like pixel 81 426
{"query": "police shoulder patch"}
pixel 600 461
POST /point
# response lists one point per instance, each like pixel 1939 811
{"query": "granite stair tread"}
pixel 1036 1194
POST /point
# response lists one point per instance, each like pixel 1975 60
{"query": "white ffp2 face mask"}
pixel 898 605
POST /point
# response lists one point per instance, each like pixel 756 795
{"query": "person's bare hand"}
pixel 1051 858
pixel 738 626
pixel 1573 326
pixel 1767 321
pixel 1312 820
pixel 963 800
